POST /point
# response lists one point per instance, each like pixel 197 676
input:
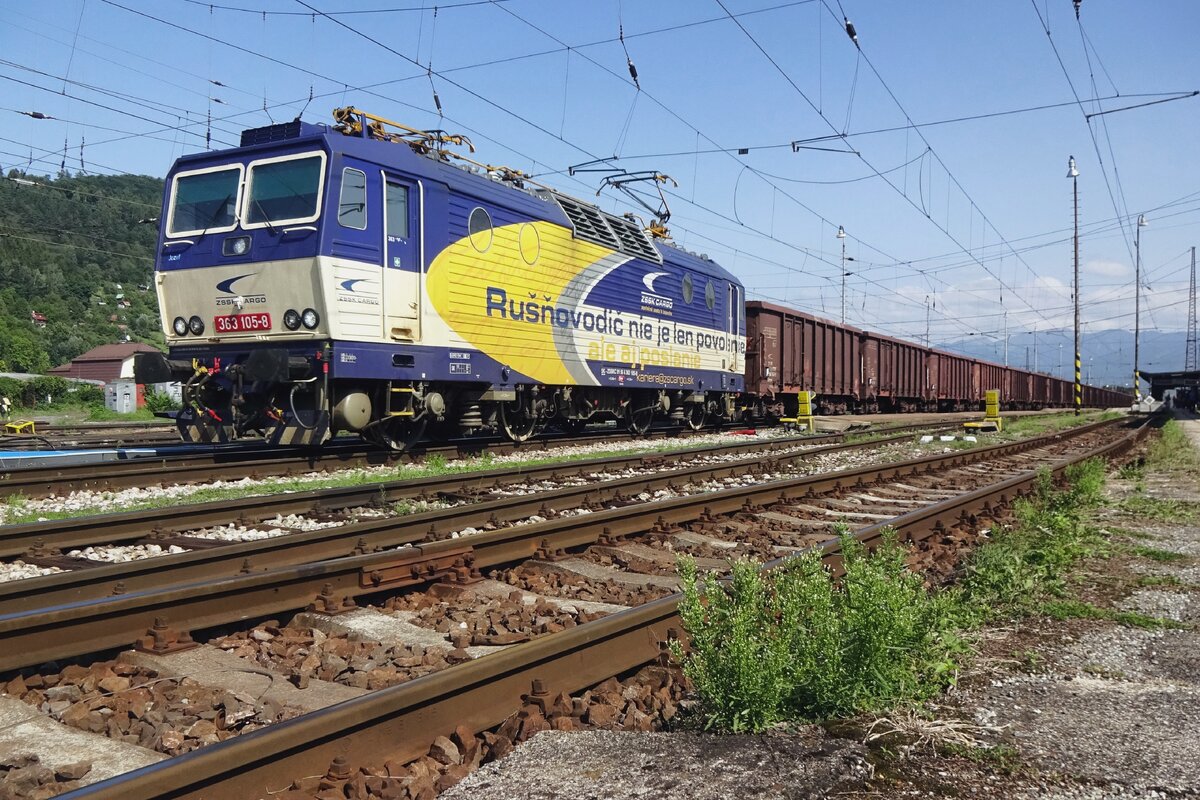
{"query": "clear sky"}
pixel 970 219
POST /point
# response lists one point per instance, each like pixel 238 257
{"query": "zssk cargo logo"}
pixel 349 294
pixel 232 298
pixel 651 297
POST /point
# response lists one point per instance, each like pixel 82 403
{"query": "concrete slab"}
pixel 599 572
pixel 24 730
pixel 212 666
pixel 690 537
pixel 390 629
pixel 499 590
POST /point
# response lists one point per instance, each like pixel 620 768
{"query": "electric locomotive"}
pixel 366 277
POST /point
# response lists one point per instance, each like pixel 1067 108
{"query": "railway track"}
pixel 357 522
pixel 572 558
pixel 265 462
pixel 96 434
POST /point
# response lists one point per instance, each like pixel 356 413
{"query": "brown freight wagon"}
pixel 789 351
pixel 895 374
pixel 951 381
pixel 987 376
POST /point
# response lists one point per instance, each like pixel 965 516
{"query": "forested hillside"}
pixel 75 266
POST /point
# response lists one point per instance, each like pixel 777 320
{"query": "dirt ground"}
pixel 1095 709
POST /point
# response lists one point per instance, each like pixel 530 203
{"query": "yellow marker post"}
pixel 991 413
pixel 804 415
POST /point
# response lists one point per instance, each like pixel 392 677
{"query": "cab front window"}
pixel 204 201
pixel 284 190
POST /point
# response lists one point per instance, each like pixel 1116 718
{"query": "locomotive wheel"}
pixel 517 421
pixel 638 420
pixel 696 416
pixel 396 433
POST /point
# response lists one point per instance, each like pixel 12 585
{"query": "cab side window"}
pixel 352 201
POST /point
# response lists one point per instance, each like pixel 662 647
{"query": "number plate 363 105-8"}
pixel 241 323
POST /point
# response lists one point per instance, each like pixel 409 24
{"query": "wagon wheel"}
pixel 517 420
pixel 396 433
pixel 696 416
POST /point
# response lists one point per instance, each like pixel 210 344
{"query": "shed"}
pixel 106 363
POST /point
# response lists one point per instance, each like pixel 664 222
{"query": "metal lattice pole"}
pixel 1073 173
pixel 1189 357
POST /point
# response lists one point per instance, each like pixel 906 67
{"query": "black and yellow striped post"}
pixel 1078 385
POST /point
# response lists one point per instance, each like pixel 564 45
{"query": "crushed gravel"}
pixel 601 764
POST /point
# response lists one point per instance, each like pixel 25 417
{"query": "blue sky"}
pixel 971 218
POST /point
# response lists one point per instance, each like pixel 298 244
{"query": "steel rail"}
pixel 82 531
pixel 255 462
pixel 262 462
pixel 73 629
pixel 212 560
pixel 398 723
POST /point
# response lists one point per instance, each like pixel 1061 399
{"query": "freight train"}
pixel 365 277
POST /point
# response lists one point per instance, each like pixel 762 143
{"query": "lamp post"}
pixel 1137 304
pixel 1073 174
pixel 841 234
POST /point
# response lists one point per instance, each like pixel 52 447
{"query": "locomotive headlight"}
pixel 180 325
pixel 310 318
pixel 236 246
pixel 196 325
pixel 291 319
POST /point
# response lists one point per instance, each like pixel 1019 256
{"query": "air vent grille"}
pixel 592 225
pixel 634 240
pixel 271 133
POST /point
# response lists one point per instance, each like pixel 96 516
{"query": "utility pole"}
pixel 927 320
pixel 1073 174
pixel 841 234
pixel 1006 338
pixel 1035 358
pixel 1137 304
pixel 1189 356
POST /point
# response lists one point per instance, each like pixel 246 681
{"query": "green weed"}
pixel 1172 451
pixel 794 644
pixel 1161 509
pixel 1077 609
pixel 1158 580
pixel 1003 758
pixel 1159 555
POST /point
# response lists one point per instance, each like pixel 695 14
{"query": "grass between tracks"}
pixel 793 644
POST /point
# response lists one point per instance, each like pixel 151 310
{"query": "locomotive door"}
pixel 402 259
pixel 733 318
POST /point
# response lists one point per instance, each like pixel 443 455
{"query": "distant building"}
pixel 39 320
pixel 106 363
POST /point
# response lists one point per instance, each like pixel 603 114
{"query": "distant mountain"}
pixel 76 265
pixel 1107 356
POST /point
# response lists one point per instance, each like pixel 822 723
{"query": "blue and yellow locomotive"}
pixel 363 277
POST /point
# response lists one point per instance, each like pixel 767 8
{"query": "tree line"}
pixel 76 265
